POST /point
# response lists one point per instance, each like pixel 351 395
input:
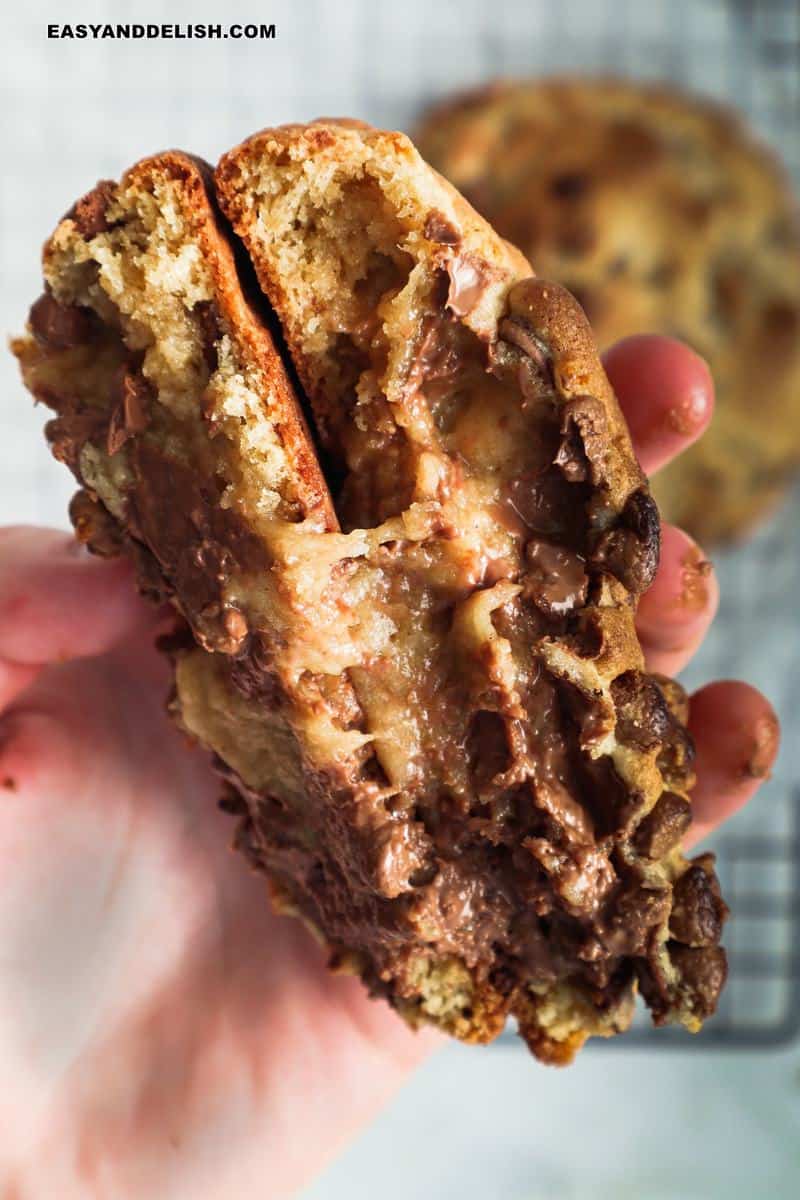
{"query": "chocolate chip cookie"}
pixel 410 646
pixel 662 214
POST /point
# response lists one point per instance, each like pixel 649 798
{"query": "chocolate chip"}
pixel 211 331
pixel 570 185
pixel 503 980
pixel 584 440
pixel 469 278
pixel 635 913
pixel 131 395
pixel 519 333
pixel 697 909
pixel 653 982
pixel 643 719
pixel 676 757
pixel 663 827
pixel 487 748
pixel 703 971
pixel 630 551
pixel 60 326
pixel 69 432
pixel 556 581
pixel 440 230
pixel 89 213
pixel 571 457
pixel 676 697
pixel 94 526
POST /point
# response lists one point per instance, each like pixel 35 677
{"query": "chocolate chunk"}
pixel 519 333
pixel 150 579
pixel 89 213
pixel 676 757
pixel 570 185
pixel 556 581
pixel 487 748
pixel 400 849
pixel 584 441
pixel 653 982
pixel 438 229
pixel 253 674
pixel 542 501
pixel 208 316
pixel 676 697
pixel 664 826
pixel 571 457
pixel 643 719
pixel 469 278
pixel 94 526
pixel 131 395
pixel 631 550
pixel 697 910
pixel 60 326
pixel 635 913
pixel 69 432
pixel 612 803
pixel 196 542
pixel 703 972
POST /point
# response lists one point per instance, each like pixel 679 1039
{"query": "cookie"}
pixel 661 213
pixel 421 680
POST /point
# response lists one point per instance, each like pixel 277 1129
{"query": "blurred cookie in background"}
pixel 662 213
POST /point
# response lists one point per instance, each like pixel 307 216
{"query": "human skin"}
pixel 162 1032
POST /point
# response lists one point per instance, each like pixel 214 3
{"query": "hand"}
pixel 162 1033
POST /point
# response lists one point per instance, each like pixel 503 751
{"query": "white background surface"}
pixel 475 1123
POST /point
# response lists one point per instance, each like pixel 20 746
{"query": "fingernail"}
pixel 695 571
pixel 766 735
pixel 688 414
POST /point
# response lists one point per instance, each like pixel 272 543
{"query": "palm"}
pixel 160 968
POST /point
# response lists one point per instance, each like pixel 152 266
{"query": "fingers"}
pixel 666 393
pixel 57 602
pixel 737 735
pixel 674 614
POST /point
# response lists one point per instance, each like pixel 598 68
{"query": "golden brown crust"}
pixel 195 177
pixel 662 213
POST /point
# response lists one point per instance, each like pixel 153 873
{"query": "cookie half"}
pixel 531 779
pixel 662 214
